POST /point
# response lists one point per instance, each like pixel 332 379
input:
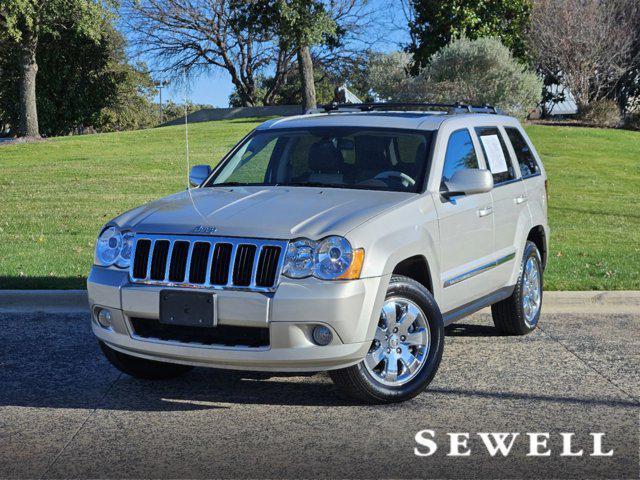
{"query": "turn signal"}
pixel 353 272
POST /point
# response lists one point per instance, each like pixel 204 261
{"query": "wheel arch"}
pixel 416 267
pixel 538 236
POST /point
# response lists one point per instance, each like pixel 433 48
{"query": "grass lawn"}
pixel 57 194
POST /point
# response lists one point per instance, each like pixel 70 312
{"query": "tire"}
pixel 365 381
pixel 510 316
pixel 141 367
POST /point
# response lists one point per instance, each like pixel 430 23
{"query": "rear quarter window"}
pixel 528 164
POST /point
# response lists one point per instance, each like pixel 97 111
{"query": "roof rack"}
pixel 450 108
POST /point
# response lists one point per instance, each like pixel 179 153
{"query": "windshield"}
pixel 365 158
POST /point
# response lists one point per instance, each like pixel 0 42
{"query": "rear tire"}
pixel 141 367
pixel 400 366
pixel 519 314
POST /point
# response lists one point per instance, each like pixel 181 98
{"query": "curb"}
pixel 75 301
pixel 46 301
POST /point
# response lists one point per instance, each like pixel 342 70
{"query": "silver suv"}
pixel 343 240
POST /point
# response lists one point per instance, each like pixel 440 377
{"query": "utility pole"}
pixel 160 84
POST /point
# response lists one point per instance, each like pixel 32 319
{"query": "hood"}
pixel 261 212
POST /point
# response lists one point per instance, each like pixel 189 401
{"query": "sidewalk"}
pixel 68 301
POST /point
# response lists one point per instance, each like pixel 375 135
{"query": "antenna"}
pixel 186 141
pixel 186 124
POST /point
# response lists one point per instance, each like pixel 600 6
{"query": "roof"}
pixel 418 120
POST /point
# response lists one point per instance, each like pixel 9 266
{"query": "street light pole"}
pixel 160 85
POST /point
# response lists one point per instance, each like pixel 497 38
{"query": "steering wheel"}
pixel 406 180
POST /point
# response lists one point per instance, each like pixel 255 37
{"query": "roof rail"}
pixel 450 108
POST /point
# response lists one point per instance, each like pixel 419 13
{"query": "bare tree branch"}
pixel 590 42
pixel 197 35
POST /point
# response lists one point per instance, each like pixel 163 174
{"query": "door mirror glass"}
pixel 467 182
pixel 198 174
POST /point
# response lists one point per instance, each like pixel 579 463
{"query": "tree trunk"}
pixel 28 70
pixel 306 78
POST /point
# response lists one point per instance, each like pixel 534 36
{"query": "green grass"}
pixel 594 207
pixel 55 195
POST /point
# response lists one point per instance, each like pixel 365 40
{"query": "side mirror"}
pixel 198 174
pixel 468 182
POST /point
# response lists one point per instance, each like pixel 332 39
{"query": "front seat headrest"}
pixel 324 157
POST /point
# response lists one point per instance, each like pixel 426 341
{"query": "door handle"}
pixel 520 199
pixel 483 212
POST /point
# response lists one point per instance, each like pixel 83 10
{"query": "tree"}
pixel 478 72
pixel 589 44
pixel 198 35
pixel 434 23
pixel 387 74
pixel 82 82
pixel 22 22
pixel 302 24
pixel 249 39
pixel 326 80
pixel 298 25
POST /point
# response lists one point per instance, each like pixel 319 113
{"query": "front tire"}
pixel 519 314
pixel 406 351
pixel 141 367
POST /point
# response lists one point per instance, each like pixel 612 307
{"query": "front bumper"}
pixel 349 308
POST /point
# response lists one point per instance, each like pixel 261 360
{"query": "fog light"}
pixel 322 335
pixel 104 317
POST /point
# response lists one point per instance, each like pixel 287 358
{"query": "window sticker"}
pixel 495 155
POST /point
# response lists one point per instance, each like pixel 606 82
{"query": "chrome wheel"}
pixel 531 292
pixel 401 344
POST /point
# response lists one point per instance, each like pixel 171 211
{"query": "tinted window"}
pixel 460 154
pixel 526 160
pixel 497 158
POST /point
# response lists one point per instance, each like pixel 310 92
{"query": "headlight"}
pixel 114 247
pixel 125 253
pixel 298 261
pixel 332 258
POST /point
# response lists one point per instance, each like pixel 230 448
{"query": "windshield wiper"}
pixel 312 184
pixel 229 184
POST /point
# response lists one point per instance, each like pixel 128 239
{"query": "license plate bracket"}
pixel 193 309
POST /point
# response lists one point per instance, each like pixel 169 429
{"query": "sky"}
pixel 214 87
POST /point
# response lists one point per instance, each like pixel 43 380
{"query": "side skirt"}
pixel 472 307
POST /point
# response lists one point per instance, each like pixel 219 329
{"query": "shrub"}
pixel 481 71
pixel 632 122
pixel 386 74
pixel 602 113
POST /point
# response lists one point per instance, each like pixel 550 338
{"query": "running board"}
pixel 472 307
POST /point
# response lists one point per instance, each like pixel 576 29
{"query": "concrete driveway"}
pixel 65 412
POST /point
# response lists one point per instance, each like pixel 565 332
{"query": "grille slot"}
pixel 159 260
pixel 178 266
pixel 267 266
pixel 141 259
pixel 243 266
pixel 207 262
pixel 221 263
pixel 198 266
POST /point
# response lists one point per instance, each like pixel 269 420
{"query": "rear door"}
pixel 509 203
pixel 530 170
pixel 466 229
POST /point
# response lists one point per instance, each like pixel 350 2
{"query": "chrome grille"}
pixel 207 262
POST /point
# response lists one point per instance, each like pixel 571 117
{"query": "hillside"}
pixel 56 194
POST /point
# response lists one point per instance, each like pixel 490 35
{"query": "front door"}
pixel 466 231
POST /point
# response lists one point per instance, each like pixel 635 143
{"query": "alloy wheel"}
pixel 401 344
pixel 531 292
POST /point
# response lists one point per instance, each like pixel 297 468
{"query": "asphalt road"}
pixel 65 412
